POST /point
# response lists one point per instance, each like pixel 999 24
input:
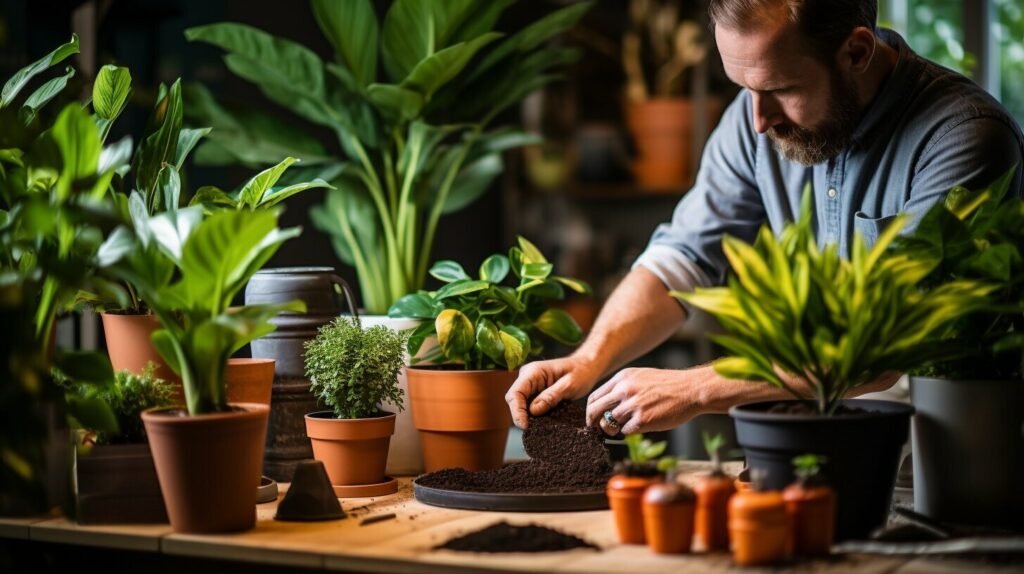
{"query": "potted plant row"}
pixel 485 329
pixel 819 326
pixel 353 371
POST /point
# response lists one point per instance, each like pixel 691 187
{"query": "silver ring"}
pixel 608 418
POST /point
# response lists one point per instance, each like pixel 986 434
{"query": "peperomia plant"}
pixel 211 259
pixel 354 370
pixel 410 100
pixel 485 324
pixel 794 310
pixel 977 236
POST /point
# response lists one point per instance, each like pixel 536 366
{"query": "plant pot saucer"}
pixel 266 491
pixel 389 486
pixel 511 502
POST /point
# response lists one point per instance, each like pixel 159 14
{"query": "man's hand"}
pixel 555 380
pixel 643 400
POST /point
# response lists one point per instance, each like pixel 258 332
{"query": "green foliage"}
pixel 257 193
pixel 807 466
pixel 793 309
pixel 713 446
pixel 211 260
pixel 977 236
pixel 643 451
pixel 354 370
pixel 485 324
pixel 126 396
pixel 415 147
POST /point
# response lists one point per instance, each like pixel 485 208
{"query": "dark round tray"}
pixel 511 502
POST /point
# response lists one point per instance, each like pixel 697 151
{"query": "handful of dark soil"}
pixel 505 537
pixel 566 457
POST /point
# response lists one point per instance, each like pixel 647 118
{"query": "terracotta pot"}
pixel 668 511
pixel 759 527
pixel 249 380
pixel 812 512
pixel 209 465
pixel 461 415
pixel 711 523
pixel 130 348
pixel 663 133
pixel 117 484
pixel 354 451
pixel 625 496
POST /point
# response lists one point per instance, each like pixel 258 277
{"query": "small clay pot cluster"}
pixel 760 527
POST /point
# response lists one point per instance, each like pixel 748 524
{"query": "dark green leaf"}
pixel 561 327
pixel 448 271
pixel 417 306
pixel 85 366
pixel 488 340
pixel 458 288
pixel 351 26
pixel 494 269
pixel 48 91
pixel 24 75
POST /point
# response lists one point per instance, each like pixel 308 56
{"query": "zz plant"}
pixel 410 101
pixel 354 370
pixel 485 324
pixel 793 311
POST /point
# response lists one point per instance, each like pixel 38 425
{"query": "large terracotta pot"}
pixel 354 451
pixel 209 465
pixel 663 132
pixel 326 295
pixel 249 380
pixel 130 348
pixel 461 415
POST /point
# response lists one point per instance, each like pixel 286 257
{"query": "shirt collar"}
pixel 894 91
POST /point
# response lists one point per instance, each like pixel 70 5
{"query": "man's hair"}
pixel 824 23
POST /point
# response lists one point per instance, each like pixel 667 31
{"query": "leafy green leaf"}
pixel 448 271
pixel 48 90
pixel 85 366
pixel 530 252
pixel 352 29
pixel 560 326
pixel 536 270
pixel 79 144
pixel 440 67
pixel 454 333
pixel 576 285
pixel 395 102
pixel 110 91
pixel 188 138
pixel 24 75
pixel 494 269
pixel 160 146
pixel 488 340
pixel 417 306
pixel 462 287
pixel 253 191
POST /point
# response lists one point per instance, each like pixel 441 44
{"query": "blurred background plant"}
pixel 658 49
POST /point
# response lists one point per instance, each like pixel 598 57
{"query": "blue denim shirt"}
pixel 927 130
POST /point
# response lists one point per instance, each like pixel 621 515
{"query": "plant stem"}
pixel 439 201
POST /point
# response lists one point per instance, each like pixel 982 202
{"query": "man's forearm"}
pixel 637 317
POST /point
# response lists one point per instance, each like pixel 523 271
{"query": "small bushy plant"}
pixel 127 396
pixel 353 370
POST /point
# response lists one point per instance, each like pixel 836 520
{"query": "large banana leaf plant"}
pixel 793 311
pixel 211 259
pixel 413 148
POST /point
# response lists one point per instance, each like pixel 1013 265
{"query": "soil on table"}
pixel 566 457
pixel 505 537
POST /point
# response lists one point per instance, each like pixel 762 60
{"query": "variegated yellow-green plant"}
pixel 794 312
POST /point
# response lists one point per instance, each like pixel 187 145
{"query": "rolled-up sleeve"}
pixel 687 252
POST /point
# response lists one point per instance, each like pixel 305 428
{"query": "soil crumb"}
pixel 505 537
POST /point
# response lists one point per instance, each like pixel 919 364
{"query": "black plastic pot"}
pixel 862 452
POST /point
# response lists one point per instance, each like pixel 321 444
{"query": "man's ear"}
pixel 857 51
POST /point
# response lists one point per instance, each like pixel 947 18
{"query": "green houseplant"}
pixel 114 477
pixel 354 371
pixel 413 148
pixel 486 329
pixel 819 326
pixel 967 467
pixel 208 461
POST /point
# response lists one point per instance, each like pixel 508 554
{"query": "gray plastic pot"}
pixel 969 450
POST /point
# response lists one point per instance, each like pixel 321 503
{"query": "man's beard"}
pixel 816 145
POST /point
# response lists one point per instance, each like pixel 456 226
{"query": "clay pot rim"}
pixel 446 369
pixel 757 411
pixel 329 416
pixel 125 313
pixel 250 361
pixel 163 415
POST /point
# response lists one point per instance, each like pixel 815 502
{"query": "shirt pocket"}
pixel 870 227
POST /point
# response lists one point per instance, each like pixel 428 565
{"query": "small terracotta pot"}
pixel 249 380
pixel 662 129
pixel 668 511
pixel 711 522
pixel 812 512
pixel 625 496
pixel 759 527
pixel 209 465
pixel 130 348
pixel 354 451
pixel 461 415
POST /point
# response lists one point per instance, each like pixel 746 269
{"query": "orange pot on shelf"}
pixel 462 416
pixel 249 380
pixel 662 130
pixel 812 512
pixel 759 527
pixel 668 510
pixel 625 496
pixel 354 451
pixel 711 521
pixel 130 348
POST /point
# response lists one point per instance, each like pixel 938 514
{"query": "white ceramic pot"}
pixel 405 457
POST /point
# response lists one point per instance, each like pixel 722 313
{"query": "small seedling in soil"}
pixel 643 457
pixel 807 468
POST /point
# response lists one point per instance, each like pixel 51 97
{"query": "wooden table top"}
pixel 405 543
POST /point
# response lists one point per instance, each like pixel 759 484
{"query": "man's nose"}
pixel 766 112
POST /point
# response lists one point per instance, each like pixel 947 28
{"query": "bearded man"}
pixel 828 99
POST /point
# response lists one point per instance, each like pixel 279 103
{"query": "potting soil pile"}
pixel 505 537
pixel 566 457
